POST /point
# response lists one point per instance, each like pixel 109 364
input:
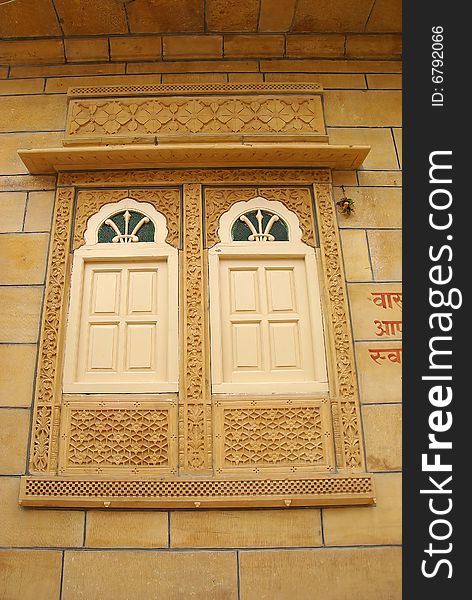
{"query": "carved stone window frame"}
pixel 279 146
pixel 348 485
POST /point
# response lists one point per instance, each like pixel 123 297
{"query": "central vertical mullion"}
pixel 195 397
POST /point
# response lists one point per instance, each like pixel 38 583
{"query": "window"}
pixel 266 325
pixel 122 328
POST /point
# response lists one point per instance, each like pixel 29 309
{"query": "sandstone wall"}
pixel 329 554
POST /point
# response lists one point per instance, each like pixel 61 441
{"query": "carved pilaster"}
pixel 44 443
pixel 345 400
pixel 195 394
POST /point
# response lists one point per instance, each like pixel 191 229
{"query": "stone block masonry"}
pixel 230 554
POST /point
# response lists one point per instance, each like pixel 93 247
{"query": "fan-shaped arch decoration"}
pixel 126 227
pixel 259 220
pixel 259 226
pixel 125 222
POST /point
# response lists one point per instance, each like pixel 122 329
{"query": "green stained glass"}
pixel 128 226
pixel 263 226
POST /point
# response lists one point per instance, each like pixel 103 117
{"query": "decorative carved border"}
pixel 344 399
pixel 46 419
pixel 195 397
pixel 203 176
pixel 345 404
pixel 166 201
pixel 175 89
pixel 209 493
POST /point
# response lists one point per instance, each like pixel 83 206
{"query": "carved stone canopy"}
pixel 199 125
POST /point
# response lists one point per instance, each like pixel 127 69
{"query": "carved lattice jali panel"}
pixel 267 435
pixel 119 436
pixel 196 450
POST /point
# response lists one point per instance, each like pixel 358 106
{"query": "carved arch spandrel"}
pixel 166 201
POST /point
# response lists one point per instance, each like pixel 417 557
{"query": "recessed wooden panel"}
pixel 244 290
pixel 142 286
pixel 141 346
pixel 102 346
pixel 246 346
pixel 105 293
pixel 284 345
pixel 280 290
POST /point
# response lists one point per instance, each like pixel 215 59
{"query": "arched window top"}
pixel 259 226
pixel 126 227
pixel 259 220
pixel 124 222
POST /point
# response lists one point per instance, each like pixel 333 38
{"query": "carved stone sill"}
pixel 192 493
pixel 140 156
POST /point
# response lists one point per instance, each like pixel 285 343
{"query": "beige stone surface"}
pixel 379 381
pixel 326 15
pixel 21 86
pixel 136 48
pixel 245 77
pixel 341 574
pixel 327 80
pixel 30 574
pixel 14 424
pixel 12 209
pixel 232 15
pixel 31 51
pixel 192 46
pixel 23 113
pixel 191 66
pixel 384 82
pixel 19 183
pixel 59 85
pixel 39 211
pixel 397 134
pixel 383 436
pixel 355 255
pixel 126 529
pixel 245 528
pixel 33 527
pixel 42 20
pixel 276 16
pixel 377 207
pixel 23 258
pixel 364 311
pixel 63 70
pixel 331 66
pixel 19 317
pixel 86 49
pixel 386 254
pixel 253 46
pixel 194 78
pixel 380 178
pixel 16 374
pixel 10 162
pixel 154 16
pixel 382 153
pixel 315 46
pixel 89 17
pixel 368 525
pixel 386 15
pixel 374 46
pixel 346 178
pixel 148 575
pixel 372 108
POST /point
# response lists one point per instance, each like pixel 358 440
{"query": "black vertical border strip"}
pixel 426 129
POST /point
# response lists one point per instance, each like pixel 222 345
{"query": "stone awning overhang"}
pixel 194 125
